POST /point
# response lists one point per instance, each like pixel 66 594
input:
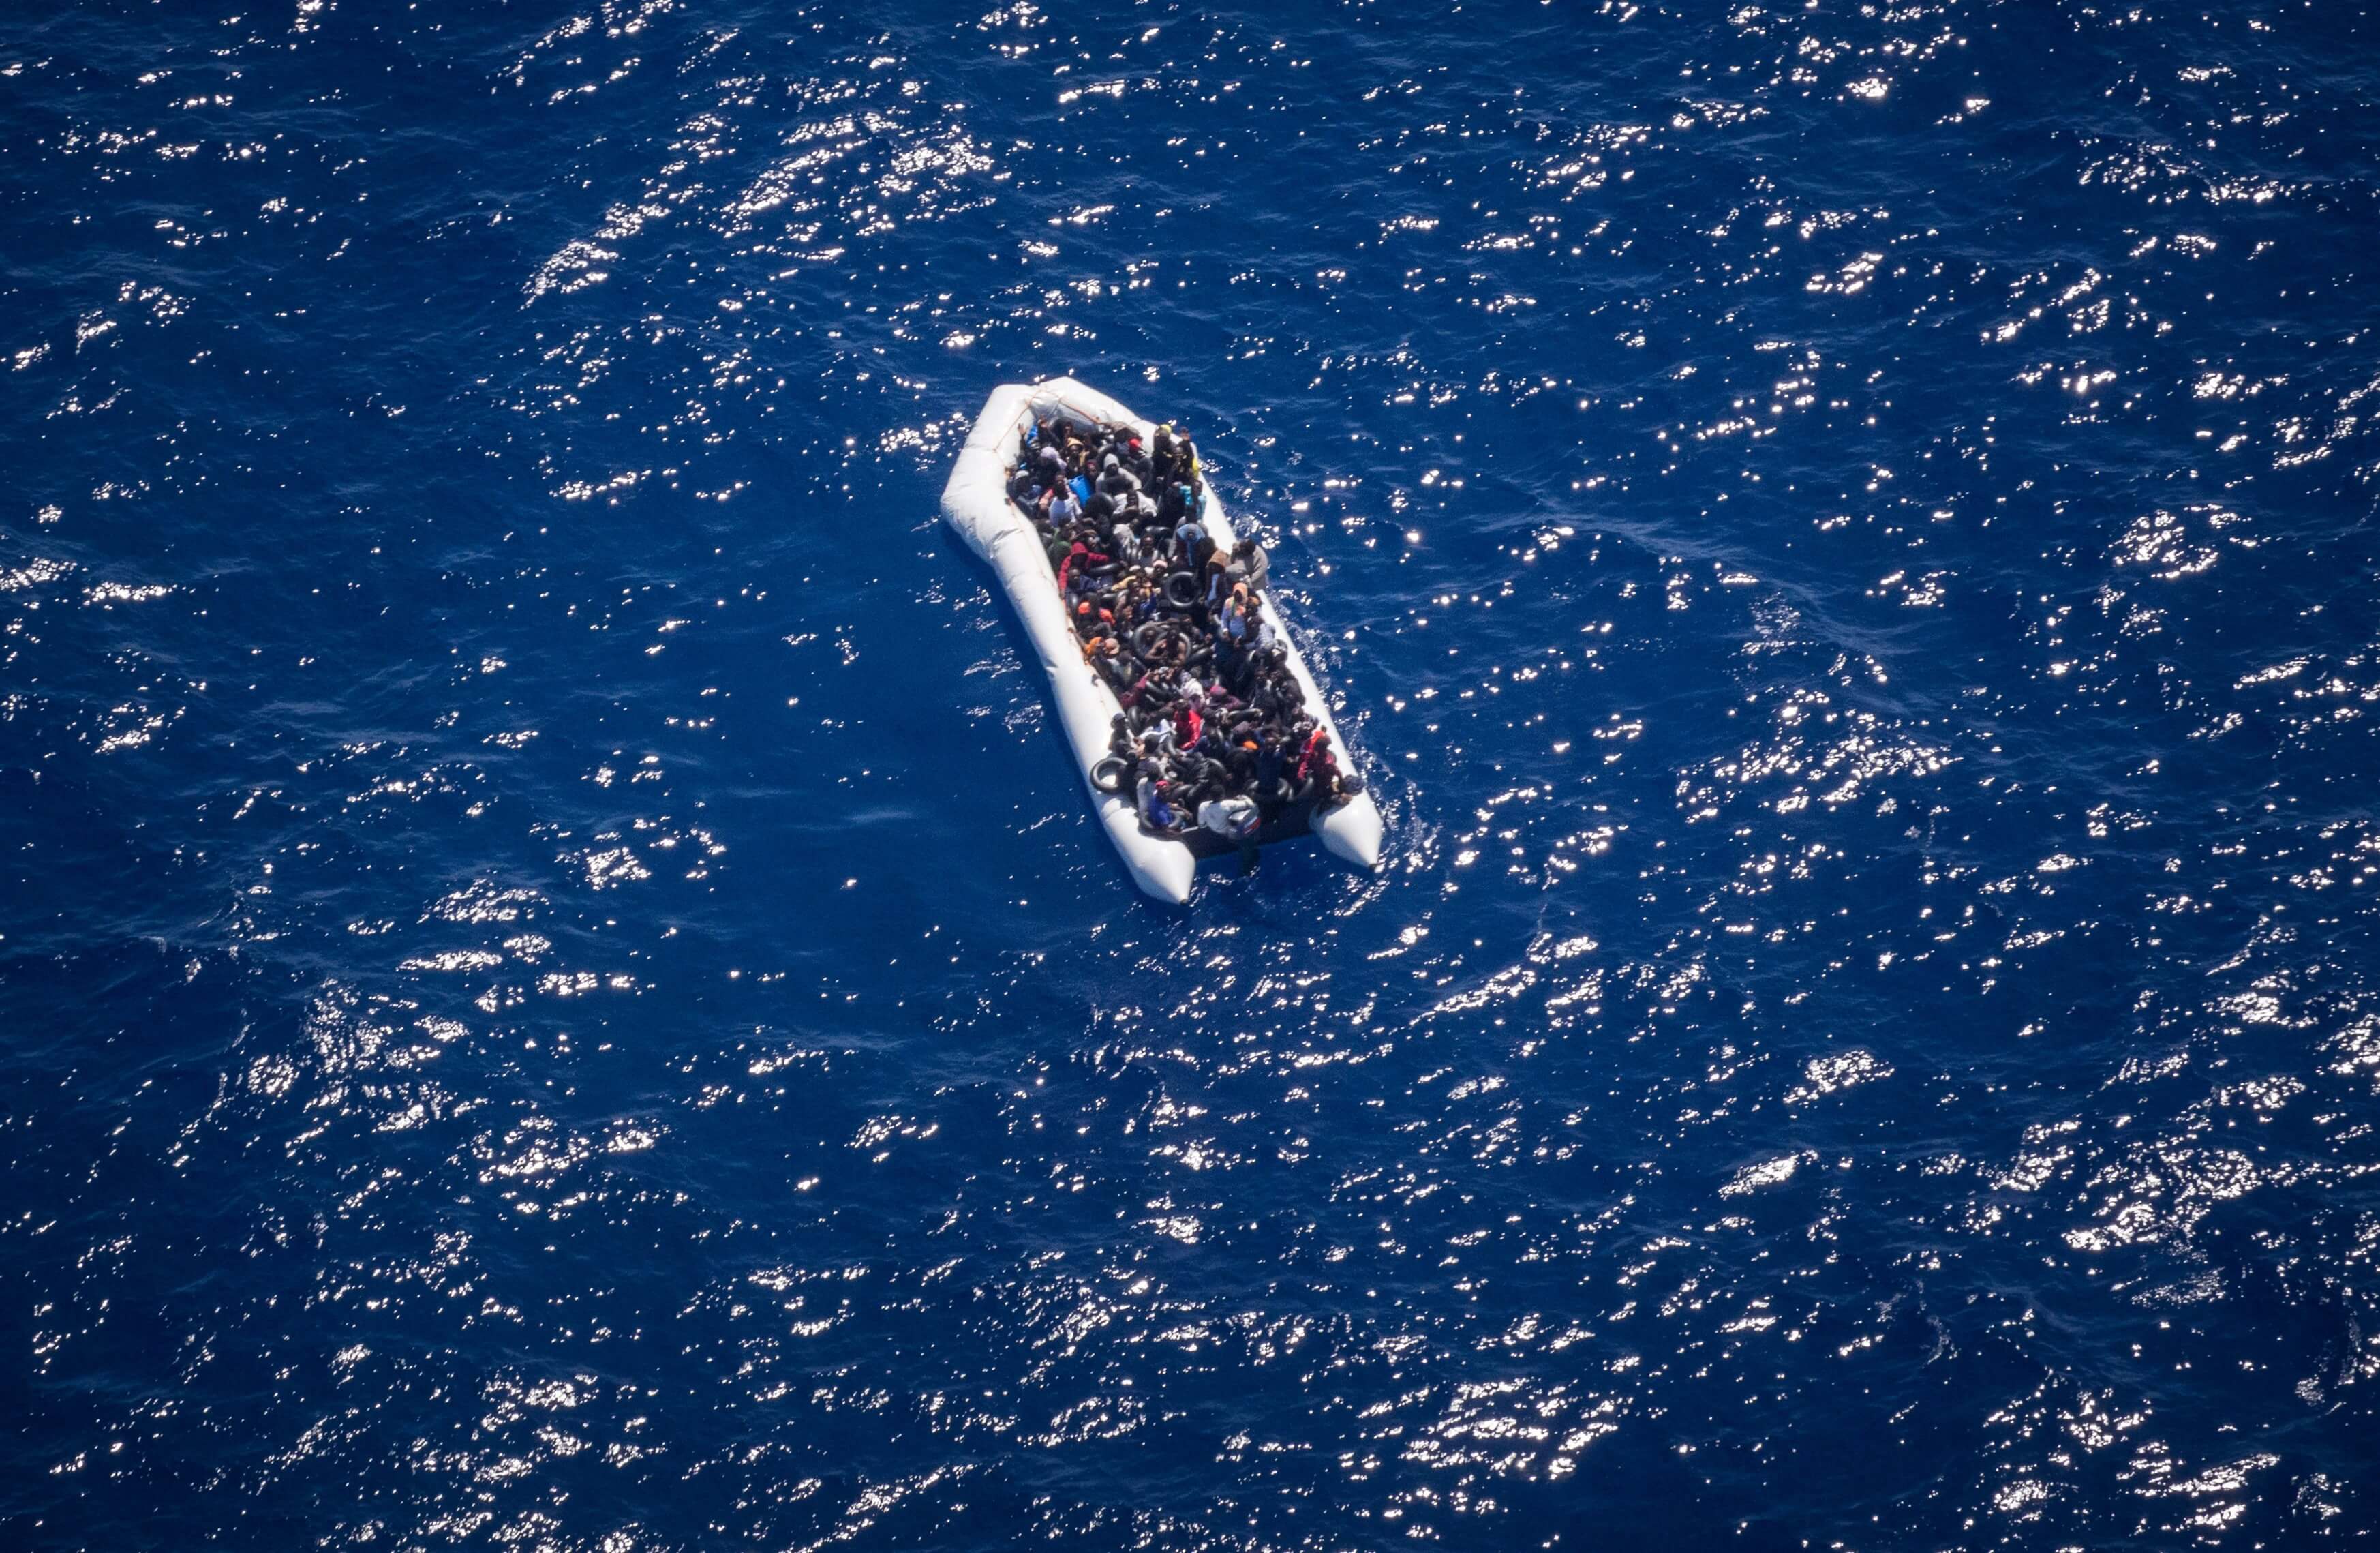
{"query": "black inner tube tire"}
pixel 1182 589
pixel 1147 636
pixel 1108 773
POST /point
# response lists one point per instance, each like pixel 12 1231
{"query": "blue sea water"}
pixel 561 990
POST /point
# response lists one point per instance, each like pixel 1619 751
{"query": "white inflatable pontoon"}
pixel 975 502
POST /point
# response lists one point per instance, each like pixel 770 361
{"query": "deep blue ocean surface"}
pixel 561 990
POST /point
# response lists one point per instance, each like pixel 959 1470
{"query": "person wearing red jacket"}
pixel 1081 554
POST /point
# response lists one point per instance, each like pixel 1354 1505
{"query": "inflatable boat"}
pixel 977 504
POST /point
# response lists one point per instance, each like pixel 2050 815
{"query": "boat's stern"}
pixel 1353 830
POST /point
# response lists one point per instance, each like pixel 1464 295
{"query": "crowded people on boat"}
pixel 1215 733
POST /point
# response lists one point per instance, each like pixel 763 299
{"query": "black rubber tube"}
pixel 1181 589
pixel 1108 773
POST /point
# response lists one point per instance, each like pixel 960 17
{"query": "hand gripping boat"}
pixel 975 502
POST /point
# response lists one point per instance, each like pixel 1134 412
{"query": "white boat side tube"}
pixel 976 504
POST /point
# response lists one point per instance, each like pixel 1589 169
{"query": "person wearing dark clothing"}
pixel 1272 765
